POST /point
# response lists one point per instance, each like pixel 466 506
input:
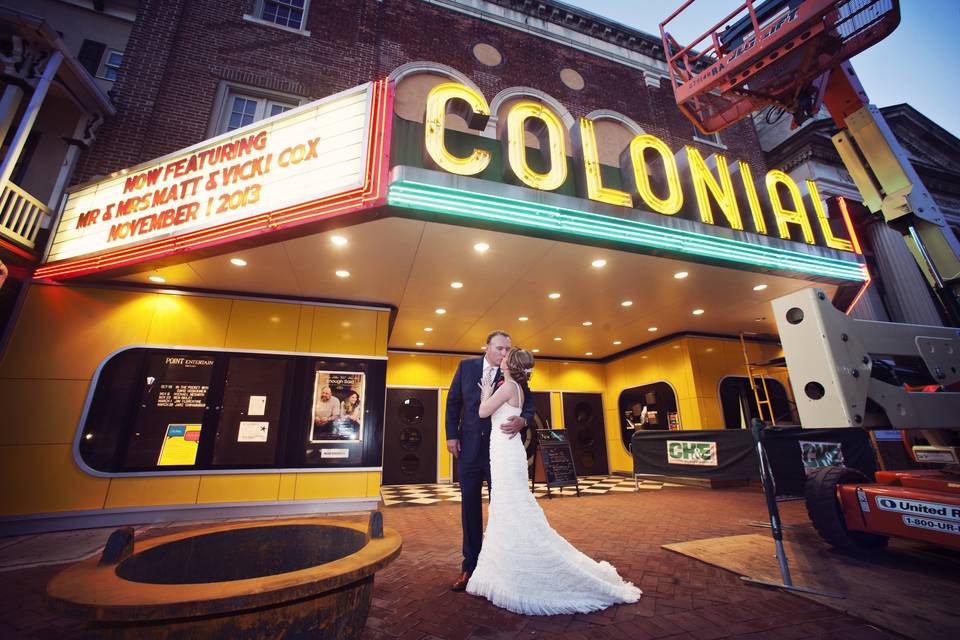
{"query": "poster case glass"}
pixel 164 410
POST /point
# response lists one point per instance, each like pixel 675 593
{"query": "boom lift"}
pixel 845 373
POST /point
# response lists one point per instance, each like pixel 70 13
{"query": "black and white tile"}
pixel 409 495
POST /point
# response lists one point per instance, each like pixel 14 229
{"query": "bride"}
pixel 525 566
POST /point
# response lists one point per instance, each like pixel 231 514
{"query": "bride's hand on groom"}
pixel 513 426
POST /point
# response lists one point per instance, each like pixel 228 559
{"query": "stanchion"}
pixel 769 492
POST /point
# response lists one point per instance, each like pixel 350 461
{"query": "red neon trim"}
pixel 863 289
pixel 372 192
pixel 849 224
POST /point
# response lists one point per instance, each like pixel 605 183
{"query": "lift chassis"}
pixel 793 54
pixel 840 379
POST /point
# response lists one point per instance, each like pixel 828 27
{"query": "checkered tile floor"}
pixel 411 495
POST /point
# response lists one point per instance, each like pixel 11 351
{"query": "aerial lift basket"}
pixel 769 53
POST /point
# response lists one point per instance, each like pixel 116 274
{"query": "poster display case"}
pixel 157 410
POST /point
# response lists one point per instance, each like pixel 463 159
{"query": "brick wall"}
pixel 180 51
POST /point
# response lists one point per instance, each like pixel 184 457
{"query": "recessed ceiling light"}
pixel 554 295
pixel 588 353
pixel 157 279
pixel 340 241
pixel 481 247
pixel 698 312
pixel 680 275
pixel 523 318
pixel 598 264
pixel 239 262
pixel 760 287
pixel 440 311
pixel 709 349
pixel 274 318
pixel 618 342
pixel 428 329
pixel 343 273
pixel 419 344
pixel 557 339
pixel 535 350
pixel 456 285
pixel 626 303
pixel 587 323
pixel 652 328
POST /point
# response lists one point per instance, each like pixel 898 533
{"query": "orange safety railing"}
pixel 770 52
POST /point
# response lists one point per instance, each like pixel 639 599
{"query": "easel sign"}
pixel 554 461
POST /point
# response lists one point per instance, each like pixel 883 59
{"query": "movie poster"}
pixel 338 398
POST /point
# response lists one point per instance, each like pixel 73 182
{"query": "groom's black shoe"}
pixel 461 583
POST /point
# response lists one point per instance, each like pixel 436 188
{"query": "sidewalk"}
pixel 683 598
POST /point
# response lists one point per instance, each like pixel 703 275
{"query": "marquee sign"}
pixel 322 159
pixel 697 193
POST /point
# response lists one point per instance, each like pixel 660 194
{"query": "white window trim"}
pixel 258 11
pixel 226 90
pixel 718 143
pixel 102 68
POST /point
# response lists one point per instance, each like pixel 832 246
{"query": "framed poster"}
pixel 338 398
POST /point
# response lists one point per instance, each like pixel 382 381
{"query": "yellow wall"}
pixel 694 367
pixel 63 333
pixel 427 370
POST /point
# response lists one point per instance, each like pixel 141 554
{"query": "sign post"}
pixel 554 461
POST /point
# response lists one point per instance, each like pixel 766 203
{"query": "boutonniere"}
pixel 499 384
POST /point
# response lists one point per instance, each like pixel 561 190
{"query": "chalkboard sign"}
pixel 554 465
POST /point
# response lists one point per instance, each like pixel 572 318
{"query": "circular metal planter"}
pixel 278 579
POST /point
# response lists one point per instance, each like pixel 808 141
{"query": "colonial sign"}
pixel 273 173
pixel 655 178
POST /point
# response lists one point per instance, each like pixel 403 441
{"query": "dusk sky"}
pixel 916 64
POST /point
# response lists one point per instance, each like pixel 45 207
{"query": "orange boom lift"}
pixel 793 54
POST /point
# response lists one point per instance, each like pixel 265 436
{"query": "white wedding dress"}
pixel 525 566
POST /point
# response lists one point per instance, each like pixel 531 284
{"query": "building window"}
pixel 240 108
pixel 90 55
pixel 111 65
pixel 287 13
pixel 710 138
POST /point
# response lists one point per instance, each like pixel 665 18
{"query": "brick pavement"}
pixel 683 598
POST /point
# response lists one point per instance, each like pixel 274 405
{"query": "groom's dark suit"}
pixel 464 423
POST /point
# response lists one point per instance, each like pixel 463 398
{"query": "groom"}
pixel 468 439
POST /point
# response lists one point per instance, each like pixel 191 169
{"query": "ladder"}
pixel 757 380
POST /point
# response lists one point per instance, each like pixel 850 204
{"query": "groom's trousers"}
pixel 473 470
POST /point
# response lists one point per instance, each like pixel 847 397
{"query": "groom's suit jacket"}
pixel 463 411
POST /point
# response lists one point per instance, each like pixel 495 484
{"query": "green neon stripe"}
pixel 656 236
pixel 795 262
pixel 474 205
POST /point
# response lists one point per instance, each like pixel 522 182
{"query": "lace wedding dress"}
pixel 525 566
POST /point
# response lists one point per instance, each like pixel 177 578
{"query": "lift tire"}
pixel 825 513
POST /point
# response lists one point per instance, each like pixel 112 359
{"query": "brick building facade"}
pixel 179 52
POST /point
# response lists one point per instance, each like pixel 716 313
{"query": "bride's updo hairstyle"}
pixel 520 363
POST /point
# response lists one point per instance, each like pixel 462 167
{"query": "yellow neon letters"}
pixel 783 215
pixel 703 181
pixel 470 105
pixel 641 177
pixel 751 190
pixel 832 241
pixel 591 168
pixel 549 130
